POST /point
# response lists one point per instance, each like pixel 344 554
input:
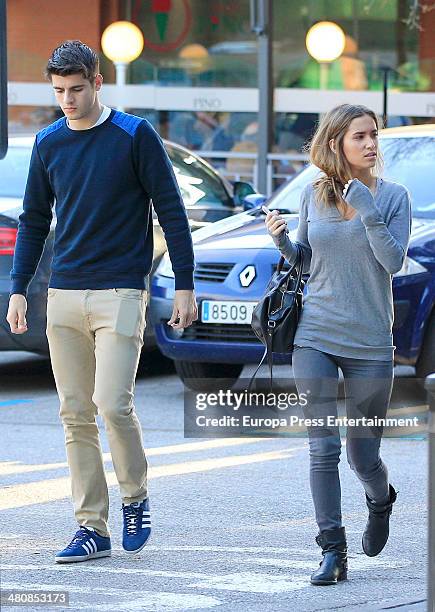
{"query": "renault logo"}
pixel 247 275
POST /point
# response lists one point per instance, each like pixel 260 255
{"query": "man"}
pixel 101 167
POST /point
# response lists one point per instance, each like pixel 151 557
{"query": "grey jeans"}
pixel 368 385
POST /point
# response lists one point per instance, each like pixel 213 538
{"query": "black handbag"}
pixel 276 316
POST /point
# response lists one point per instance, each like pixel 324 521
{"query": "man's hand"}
pixel 16 316
pixel 185 310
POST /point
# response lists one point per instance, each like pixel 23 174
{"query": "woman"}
pixel 354 230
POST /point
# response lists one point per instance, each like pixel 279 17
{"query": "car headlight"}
pixel 165 267
pixel 410 266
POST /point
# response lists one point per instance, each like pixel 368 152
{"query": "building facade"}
pixel 196 78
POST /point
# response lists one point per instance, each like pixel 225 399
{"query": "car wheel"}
pixel 207 376
pixel 426 362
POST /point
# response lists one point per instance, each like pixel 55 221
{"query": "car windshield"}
pixel 406 160
pixel 198 183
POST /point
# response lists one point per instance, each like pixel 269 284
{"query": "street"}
pixel 233 523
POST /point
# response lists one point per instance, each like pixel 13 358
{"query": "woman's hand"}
pixel 358 196
pixel 275 224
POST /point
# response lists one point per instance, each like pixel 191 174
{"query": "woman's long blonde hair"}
pixel 336 170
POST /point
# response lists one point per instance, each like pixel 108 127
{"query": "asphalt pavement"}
pixel 233 526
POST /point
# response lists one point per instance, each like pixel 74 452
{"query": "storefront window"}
pixel 192 42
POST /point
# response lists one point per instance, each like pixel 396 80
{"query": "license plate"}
pixel 227 312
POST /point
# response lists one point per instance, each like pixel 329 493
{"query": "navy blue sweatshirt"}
pixel 101 181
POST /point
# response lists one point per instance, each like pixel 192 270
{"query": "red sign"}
pixel 161 10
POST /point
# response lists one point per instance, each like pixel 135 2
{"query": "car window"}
pixel 406 160
pixel 13 172
pixel 288 197
pixel 411 161
pixel 199 184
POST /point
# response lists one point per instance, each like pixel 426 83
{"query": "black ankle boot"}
pixel 377 530
pixel 333 567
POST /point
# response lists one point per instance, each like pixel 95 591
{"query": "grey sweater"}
pixel 348 303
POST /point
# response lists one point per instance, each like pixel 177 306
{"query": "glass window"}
pixel 377 34
pixel 198 183
pixel 13 172
pixel 288 197
pixel 192 42
pixel 406 160
pixel 410 161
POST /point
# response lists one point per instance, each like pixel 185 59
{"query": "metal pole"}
pixel 430 387
pixel 386 71
pixel 269 178
pixel 324 74
pixel 3 82
pixel 262 25
pixel 121 79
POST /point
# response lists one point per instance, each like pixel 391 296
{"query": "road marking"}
pixel 356 562
pixel 255 581
pixel 43 491
pixel 14 402
pixel 234 549
pixel 240 581
pixel 97 568
pixel 152 601
pixel 17 467
pixel 249 582
pixel 184 549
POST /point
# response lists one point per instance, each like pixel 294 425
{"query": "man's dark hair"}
pixel 73 57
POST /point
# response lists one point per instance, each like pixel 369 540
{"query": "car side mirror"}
pixel 253 200
pixel 240 191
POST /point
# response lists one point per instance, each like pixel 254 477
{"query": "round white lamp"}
pixel 325 42
pixel 195 59
pixel 122 42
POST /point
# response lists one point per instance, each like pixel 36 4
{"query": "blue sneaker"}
pixel 137 526
pixel 86 544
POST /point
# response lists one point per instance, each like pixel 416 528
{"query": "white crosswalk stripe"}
pixel 294 569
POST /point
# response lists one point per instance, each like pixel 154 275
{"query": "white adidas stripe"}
pixel 87 548
pixel 92 541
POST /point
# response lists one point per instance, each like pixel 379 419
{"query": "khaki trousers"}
pixel 95 339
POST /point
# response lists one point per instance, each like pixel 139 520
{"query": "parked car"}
pixel 207 196
pixel 235 258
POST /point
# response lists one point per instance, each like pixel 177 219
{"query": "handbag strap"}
pixel 269 354
pixel 256 371
pixel 299 259
pixel 268 350
pixel 300 263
